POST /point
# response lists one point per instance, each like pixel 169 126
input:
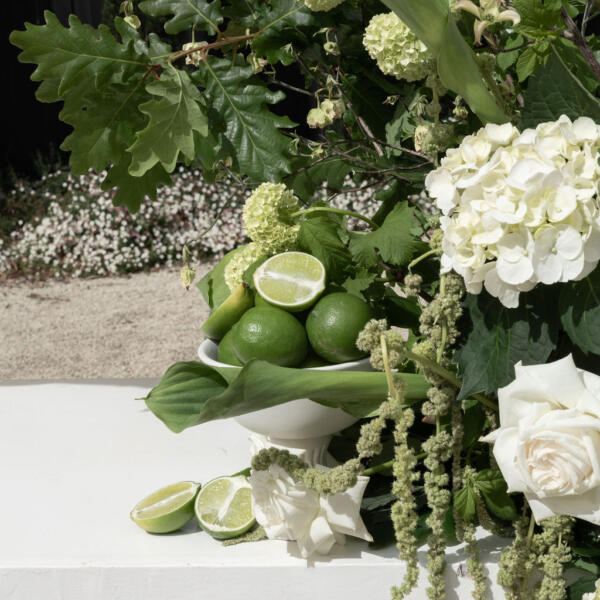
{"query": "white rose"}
pixel 289 511
pixel 548 443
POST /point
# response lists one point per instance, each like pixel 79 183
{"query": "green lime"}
pixel 334 324
pixel 291 280
pixel 167 509
pixel 224 507
pixel 225 316
pixel 225 353
pixel 270 334
pixel 260 301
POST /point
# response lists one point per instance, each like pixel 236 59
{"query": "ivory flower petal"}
pixel 548 442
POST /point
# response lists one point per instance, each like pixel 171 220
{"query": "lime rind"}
pixel 224 509
pixel 291 280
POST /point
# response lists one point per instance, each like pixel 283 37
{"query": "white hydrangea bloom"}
pixel 397 50
pixel 322 5
pixel 268 220
pixel 520 208
pixel 236 267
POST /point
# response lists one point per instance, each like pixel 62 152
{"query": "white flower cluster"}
pixel 520 208
pixel 322 5
pixel 396 49
pixel 82 233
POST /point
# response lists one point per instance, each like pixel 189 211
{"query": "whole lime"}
pixel 271 334
pixel 225 353
pixel 334 324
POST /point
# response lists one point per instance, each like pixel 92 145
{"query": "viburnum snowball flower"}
pixel 322 5
pixel 520 208
pixel 268 219
pixel 397 50
pixel 236 267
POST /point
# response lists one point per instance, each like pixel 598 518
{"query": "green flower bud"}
pixel 318 118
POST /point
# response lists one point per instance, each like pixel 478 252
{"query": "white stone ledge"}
pixel 74 459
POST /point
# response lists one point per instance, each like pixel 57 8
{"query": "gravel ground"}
pixel 115 327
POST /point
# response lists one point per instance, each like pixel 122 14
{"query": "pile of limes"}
pixel 290 321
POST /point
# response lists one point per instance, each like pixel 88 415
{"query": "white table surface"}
pixel 74 459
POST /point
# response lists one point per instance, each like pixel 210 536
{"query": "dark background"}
pixel 31 131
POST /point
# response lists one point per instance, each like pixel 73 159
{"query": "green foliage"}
pixel 198 14
pixel 212 286
pixel 432 23
pixel 174 116
pixel 191 393
pixel 396 241
pixel 499 338
pixel 539 18
pixel 251 133
pixel 319 236
pixel 579 308
pixel 492 487
pixel 553 91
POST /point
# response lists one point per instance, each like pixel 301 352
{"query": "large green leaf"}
pixel 130 190
pixel 309 174
pixel 499 338
pixel 251 137
pixel 319 236
pixel 432 22
pixel 187 14
pixel 174 116
pixel 579 309
pixel 553 91
pixel 395 241
pixel 212 286
pixel 192 393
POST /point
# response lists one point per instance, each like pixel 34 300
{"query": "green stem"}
pixel 339 211
pixel 448 376
pixel 531 530
pixel 386 366
pixel 420 258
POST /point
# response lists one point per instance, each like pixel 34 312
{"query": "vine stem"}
pixel 339 211
pixel 388 464
pixel 420 258
pixel 448 376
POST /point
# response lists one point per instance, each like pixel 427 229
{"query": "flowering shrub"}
pixel 82 233
pixel 520 208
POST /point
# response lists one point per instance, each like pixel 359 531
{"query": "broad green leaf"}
pixel 465 502
pixel 538 17
pixel 579 308
pixel 554 90
pixel 131 190
pixel 75 57
pixel 394 241
pixel 531 58
pixel 307 179
pixel 506 59
pixel 187 14
pixel 499 338
pixel 319 236
pixel 493 488
pixel 359 282
pixel 174 115
pixel 212 286
pixel 251 137
pixel 432 22
pixel 192 393
pixel 584 584
pixel 399 311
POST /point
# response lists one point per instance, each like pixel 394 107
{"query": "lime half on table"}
pixel 167 509
pixel 292 280
pixel 224 507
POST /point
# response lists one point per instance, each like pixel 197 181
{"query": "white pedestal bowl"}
pixel 299 424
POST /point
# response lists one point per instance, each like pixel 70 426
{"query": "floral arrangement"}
pixel 481 311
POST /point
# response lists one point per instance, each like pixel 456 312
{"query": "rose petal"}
pixel 505 452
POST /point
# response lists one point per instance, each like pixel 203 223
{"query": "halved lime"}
pixel 292 280
pixel 224 507
pixel 167 509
